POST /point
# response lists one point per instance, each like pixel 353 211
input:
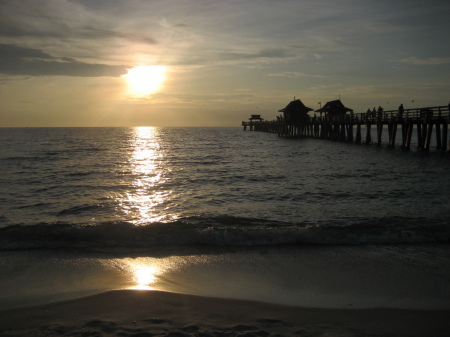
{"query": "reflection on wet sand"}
pixel 142 273
pixel 144 276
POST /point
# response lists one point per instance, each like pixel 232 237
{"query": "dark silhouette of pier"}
pixel 400 125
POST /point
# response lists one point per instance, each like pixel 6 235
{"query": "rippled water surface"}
pixel 215 180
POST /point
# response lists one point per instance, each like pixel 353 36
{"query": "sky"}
pixel 215 62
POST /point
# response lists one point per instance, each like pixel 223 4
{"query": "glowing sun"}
pixel 145 80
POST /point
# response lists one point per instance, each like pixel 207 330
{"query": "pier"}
pixel 399 125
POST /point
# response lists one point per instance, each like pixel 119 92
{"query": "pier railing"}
pixel 347 127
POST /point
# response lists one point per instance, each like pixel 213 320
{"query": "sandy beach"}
pixel 157 313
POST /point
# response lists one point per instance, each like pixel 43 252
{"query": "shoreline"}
pixel 407 277
pixel 128 312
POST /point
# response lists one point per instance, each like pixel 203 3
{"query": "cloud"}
pixel 96 33
pixel 264 53
pixel 386 27
pixel 57 28
pixel 294 75
pixel 90 32
pixel 425 61
pixel 12 52
pixel 244 56
pixel 200 99
pixel 16 60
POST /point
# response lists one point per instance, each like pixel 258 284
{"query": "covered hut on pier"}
pixel 334 108
pixel 295 112
pixel 254 118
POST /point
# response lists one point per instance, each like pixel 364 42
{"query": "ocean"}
pixel 224 213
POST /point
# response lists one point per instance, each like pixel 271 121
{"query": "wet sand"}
pixel 157 313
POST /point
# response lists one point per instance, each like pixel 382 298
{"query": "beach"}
pixel 155 313
pixel 260 291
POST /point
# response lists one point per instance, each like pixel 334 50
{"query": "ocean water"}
pixel 221 212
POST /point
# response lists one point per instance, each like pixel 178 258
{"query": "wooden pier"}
pixel 400 126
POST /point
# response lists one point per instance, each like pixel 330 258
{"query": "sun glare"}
pixel 145 80
pixel 144 276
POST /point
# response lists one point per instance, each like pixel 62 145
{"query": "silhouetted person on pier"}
pixel 400 111
pixel 380 113
pixel 374 113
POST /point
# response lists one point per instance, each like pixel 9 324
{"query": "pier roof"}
pixel 295 106
pixel 256 118
pixel 295 112
pixel 334 108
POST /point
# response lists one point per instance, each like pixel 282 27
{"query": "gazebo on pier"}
pixel 334 108
pixel 295 112
pixel 254 118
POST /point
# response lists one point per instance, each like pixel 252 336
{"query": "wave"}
pixel 219 231
pixel 80 209
pixel 28 158
pixel 37 205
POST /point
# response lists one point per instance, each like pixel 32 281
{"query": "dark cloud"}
pixel 9 52
pixel 96 33
pixel 46 26
pixel 271 53
pixel 15 31
pixel 16 60
pixel 275 53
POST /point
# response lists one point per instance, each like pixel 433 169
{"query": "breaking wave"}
pixel 219 231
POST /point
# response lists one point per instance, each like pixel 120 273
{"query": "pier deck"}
pixel 348 127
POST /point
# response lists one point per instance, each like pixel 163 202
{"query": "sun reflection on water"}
pixel 144 201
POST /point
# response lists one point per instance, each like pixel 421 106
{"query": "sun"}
pixel 145 80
